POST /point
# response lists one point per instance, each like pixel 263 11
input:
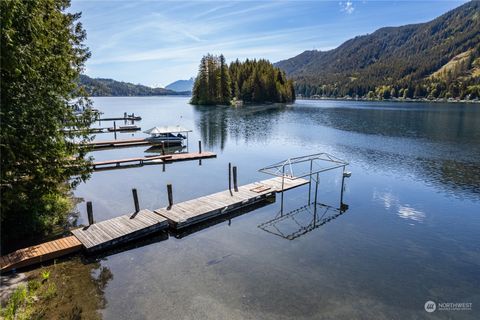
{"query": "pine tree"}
pixel 250 81
pixel 224 87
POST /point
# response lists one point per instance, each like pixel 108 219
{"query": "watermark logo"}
pixel 430 306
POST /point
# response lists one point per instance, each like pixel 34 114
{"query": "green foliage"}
pixel 15 304
pixel 42 55
pixel 45 275
pixel 24 301
pixel 252 81
pixel 107 87
pixel 414 58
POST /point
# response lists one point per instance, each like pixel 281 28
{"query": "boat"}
pixel 167 135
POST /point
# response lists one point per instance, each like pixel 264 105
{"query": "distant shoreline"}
pixel 324 99
pixel 157 95
pixel 394 100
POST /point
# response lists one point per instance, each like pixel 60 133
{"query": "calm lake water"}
pixel 411 232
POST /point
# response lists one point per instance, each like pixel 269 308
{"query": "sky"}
pixel 157 42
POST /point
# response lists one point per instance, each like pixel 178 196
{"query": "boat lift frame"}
pixel 324 161
pixel 319 162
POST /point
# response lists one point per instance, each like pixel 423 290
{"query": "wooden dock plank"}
pixel 38 253
pixel 103 165
pixel 135 159
pixel 192 211
pixel 120 229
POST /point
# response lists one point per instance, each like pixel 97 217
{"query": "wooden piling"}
pixel 170 195
pixel 90 213
pixel 235 178
pixel 135 200
pixel 230 177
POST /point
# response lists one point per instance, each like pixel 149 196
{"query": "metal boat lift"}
pixel 310 166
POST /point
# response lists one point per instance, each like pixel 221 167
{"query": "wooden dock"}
pixel 90 130
pixel 126 228
pixel 124 129
pixel 119 230
pixel 39 253
pixel 106 144
pixel 140 161
pixel 128 118
pixel 197 210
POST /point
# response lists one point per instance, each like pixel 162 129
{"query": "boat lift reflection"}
pixel 300 221
pixel 293 224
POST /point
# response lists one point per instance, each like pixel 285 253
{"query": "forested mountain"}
pixel 251 81
pixel 107 87
pixel 181 85
pixel 437 59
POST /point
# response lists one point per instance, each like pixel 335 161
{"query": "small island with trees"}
pixel 252 81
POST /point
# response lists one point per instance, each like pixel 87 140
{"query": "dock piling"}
pixel 235 187
pixel 135 200
pixel 230 177
pixel 170 195
pixel 90 213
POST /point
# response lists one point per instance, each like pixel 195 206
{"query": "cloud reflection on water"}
pixel 403 210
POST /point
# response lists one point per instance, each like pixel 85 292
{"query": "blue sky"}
pixel 157 42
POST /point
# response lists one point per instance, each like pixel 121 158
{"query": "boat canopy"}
pixel 167 129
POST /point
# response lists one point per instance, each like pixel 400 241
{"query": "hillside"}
pixel 99 87
pixel 437 59
pixel 181 85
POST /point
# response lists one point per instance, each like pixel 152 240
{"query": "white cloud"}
pixel 347 7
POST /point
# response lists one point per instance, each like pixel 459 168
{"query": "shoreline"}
pixel 324 98
pixel 393 100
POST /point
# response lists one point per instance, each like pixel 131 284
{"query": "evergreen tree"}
pixel 42 56
pixel 224 88
pixel 250 81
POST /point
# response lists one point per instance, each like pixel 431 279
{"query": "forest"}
pixel 251 81
pixel 100 87
pixel 439 59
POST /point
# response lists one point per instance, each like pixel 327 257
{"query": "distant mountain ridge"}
pixel 181 85
pixel 98 87
pixel 437 59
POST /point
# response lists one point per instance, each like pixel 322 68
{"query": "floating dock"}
pixel 89 130
pixel 140 161
pixel 123 229
pixel 106 144
pixel 39 253
pixel 119 230
pixel 128 118
pixel 197 210
pixel 124 128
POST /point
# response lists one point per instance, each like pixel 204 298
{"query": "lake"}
pixel 411 232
